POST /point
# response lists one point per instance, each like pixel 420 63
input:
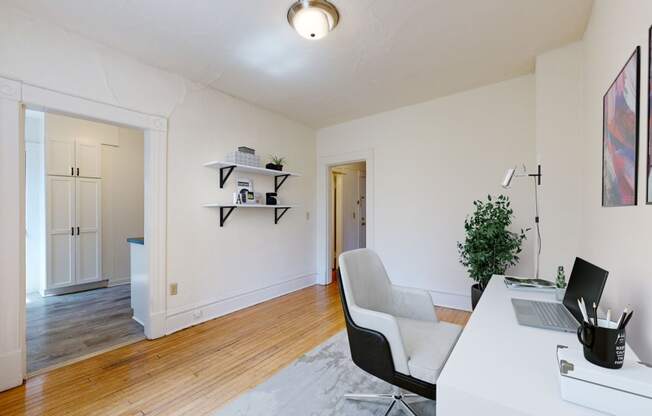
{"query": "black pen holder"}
pixel 603 346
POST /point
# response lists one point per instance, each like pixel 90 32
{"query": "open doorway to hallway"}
pixel 84 197
pixel 348 213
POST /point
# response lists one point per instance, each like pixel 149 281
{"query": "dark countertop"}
pixel 136 240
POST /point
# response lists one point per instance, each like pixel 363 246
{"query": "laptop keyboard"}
pixel 551 314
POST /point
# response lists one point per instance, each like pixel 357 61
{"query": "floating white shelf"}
pixel 250 169
pixel 227 209
pixel 226 168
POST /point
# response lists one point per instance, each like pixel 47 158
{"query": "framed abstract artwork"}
pixel 620 106
pixel 648 171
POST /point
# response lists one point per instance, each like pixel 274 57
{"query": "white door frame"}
pixel 15 96
pixel 324 207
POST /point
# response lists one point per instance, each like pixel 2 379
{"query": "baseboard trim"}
pixel 189 316
pixel 451 300
pixel 157 325
pixel 11 370
pixel 76 288
pixel 119 282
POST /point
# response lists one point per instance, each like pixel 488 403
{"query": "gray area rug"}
pixel 314 385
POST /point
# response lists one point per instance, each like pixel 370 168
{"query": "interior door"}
pixel 362 214
pixel 88 159
pixel 60 158
pixel 88 230
pixel 61 231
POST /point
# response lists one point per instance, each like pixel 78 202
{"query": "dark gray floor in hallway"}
pixel 66 327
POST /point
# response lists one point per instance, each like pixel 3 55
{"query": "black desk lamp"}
pixel 511 174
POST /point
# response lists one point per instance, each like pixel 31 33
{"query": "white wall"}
pixel 431 161
pixel 250 255
pixel 559 150
pixel 617 238
pixel 123 205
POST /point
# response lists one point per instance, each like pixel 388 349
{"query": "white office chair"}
pixel 394 333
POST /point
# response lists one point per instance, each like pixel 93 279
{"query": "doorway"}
pixel 348 213
pixel 325 208
pixel 15 97
pixel 84 198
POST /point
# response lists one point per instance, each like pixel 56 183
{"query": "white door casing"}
pixel 88 232
pixel 60 224
pixel 14 94
pixel 324 207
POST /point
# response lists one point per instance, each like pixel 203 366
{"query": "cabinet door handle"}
pixel 77 171
pixel 77 230
pixel 72 171
pixel 72 230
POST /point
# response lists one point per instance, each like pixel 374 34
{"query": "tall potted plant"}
pixel 489 247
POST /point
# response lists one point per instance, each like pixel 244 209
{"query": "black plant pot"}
pixel 273 166
pixel 476 293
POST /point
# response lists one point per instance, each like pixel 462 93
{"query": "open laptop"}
pixel 586 281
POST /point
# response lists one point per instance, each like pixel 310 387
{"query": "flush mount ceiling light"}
pixel 313 19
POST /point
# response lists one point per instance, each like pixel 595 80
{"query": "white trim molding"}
pixel 14 96
pixel 12 237
pixel 195 314
pixel 324 242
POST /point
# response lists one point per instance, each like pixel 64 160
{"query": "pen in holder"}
pixel 604 345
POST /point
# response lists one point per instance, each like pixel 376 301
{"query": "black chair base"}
pixel 396 399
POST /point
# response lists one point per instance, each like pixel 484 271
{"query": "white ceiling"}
pixel 384 54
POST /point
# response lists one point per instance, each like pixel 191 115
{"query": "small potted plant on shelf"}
pixel 560 291
pixel 489 247
pixel 276 163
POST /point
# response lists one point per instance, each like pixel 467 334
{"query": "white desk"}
pixel 501 368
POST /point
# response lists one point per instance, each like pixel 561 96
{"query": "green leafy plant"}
pixel 490 247
pixel 278 160
pixel 561 278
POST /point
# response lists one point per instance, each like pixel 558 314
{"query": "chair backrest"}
pixel 365 281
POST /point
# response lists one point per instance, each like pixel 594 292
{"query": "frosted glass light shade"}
pixel 313 19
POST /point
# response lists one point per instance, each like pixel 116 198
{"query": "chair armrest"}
pixel 388 326
pixel 413 304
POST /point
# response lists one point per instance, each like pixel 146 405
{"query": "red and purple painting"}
pixel 620 136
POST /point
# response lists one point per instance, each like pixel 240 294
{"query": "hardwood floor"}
pixel 194 371
pixel 63 328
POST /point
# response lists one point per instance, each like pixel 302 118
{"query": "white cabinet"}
pixel 74 231
pixel 88 159
pixel 61 238
pixel 88 244
pixel 60 157
pixel 73 157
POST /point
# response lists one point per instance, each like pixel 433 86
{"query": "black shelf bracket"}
pixel 225 172
pixel 223 217
pixel 277 184
pixel 277 217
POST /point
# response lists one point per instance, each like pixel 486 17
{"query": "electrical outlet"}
pixel 173 289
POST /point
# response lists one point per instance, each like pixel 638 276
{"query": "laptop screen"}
pixel 586 280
